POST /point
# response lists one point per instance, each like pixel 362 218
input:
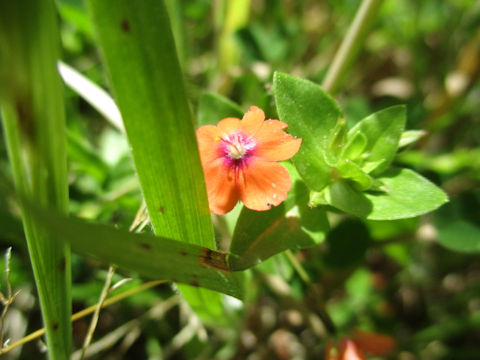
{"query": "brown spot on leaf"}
pixel 195 283
pixel 161 209
pixel 24 109
pixel 125 26
pixel 214 259
pixel 183 253
pixel 146 246
pixel 62 264
pixel 55 326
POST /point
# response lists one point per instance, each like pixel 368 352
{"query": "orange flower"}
pixel 239 161
pixel 353 349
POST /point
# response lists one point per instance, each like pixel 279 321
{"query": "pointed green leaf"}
pixel 291 225
pixel 342 195
pixel 213 107
pixel 354 146
pixel 312 115
pixel 408 194
pixel 140 56
pixel 146 254
pixel 404 194
pixel 383 131
pixel 411 136
pixel 350 170
pixel 260 235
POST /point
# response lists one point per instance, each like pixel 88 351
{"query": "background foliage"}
pixel 416 279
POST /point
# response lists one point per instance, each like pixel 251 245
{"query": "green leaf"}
pixel 85 158
pixel 350 170
pixel 146 254
pixel 74 13
pixel 140 56
pixel 312 115
pixel 213 107
pixel 408 194
pixel 404 194
pixel 313 221
pixel 259 235
pixel 342 195
pixel 383 131
pixel 354 146
pixel 336 143
pixel 31 96
pixel 457 224
pixel 92 93
pixel 411 136
pixel 460 235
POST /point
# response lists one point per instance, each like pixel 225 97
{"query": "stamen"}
pixel 237 146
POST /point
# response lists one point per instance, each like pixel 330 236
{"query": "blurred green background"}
pixel 417 280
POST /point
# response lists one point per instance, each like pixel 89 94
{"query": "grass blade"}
pixel 34 124
pixel 140 56
pixel 148 255
pixel 92 93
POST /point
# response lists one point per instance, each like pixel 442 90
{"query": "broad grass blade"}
pixel 140 56
pixel 146 254
pixel 34 124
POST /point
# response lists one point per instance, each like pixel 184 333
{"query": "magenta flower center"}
pixel 237 148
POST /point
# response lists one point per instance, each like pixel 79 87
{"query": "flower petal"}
pixel 229 125
pixel 377 344
pixel 350 351
pixel 274 144
pixel 208 144
pixel 221 189
pixel 252 120
pixel 262 184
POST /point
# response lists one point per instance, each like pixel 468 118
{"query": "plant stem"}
pixel 96 314
pixel 298 267
pixel 10 297
pixel 320 305
pixel 141 220
pixel 85 312
pixel 355 37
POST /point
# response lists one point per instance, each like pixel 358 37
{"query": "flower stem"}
pixel 321 308
pixel 351 43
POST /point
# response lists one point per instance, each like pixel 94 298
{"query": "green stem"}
pixel 85 312
pixel 355 37
pixel 298 267
pixel 320 305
